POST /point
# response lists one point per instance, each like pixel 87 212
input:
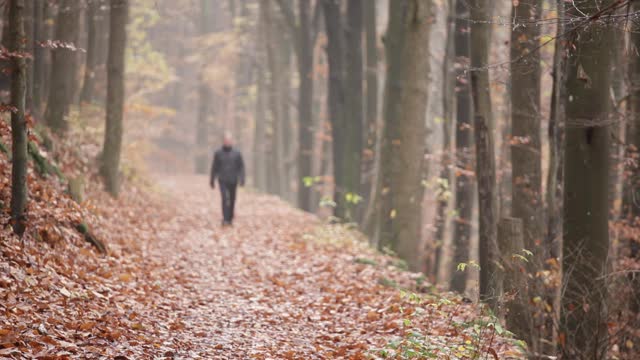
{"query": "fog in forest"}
pixel 451 179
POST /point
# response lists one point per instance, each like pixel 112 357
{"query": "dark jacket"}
pixel 227 166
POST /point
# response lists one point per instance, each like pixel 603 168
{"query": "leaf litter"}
pixel 279 284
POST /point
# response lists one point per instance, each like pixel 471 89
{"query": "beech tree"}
pixel 483 125
pixel 404 131
pixel 96 21
pixel 464 155
pixel 112 148
pixel 19 138
pixel 586 165
pixel 64 62
pixel 525 140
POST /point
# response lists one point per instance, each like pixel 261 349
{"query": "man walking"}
pixel 228 167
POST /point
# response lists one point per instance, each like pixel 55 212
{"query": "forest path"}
pixel 267 288
pixel 258 289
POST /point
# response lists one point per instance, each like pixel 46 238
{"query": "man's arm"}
pixel 240 169
pixel 214 170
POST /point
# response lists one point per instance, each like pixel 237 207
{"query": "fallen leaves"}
pixel 278 285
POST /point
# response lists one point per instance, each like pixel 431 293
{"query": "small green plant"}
pixel 309 181
pixel 463 266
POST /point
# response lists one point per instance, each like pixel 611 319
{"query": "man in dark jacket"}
pixel 228 167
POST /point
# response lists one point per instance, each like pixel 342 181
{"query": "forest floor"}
pixel 279 284
pixel 172 283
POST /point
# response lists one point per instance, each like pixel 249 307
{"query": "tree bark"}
pixel 277 102
pixel 555 178
pixel 511 242
pixel 525 123
pixel 19 193
pixel 95 16
pixel 443 242
pixel 586 232
pixel 402 162
pixel 464 197
pixel 372 123
pixel 305 104
pixel 337 100
pixel 526 149
pixel 115 95
pixel 30 47
pixel 38 57
pixel 480 11
pixel 63 64
pixel 355 112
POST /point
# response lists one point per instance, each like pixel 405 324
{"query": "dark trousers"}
pixel 228 195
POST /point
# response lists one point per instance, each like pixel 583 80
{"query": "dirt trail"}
pixel 262 289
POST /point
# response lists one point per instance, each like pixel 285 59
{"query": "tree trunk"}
pixel 38 57
pixel 480 10
pixel 28 19
pixel 115 95
pixel 260 166
pixel 443 242
pixel 277 102
pixel 586 232
pixel 19 193
pixel 525 123
pixel 353 128
pixel 63 64
pixel 206 26
pixel 337 101
pixel 305 104
pixel 511 242
pixel 526 149
pixel 95 15
pixel 464 197
pixel 555 179
pixel 402 162
pixel 372 124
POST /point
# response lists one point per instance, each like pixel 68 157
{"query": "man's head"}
pixel 227 139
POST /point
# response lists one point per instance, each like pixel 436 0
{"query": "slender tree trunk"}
pixel 28 36
pixel 38 57
pixel 372 124
pixel 64 63
pixel 586 232
pixel 19 193
pixel 555 179
pixel 115 95
pixel 259 167
pixel 402 162
pixel 355 111
pixel 337 100
pixel 480 11
pixel 448 110
pixel 464 159
pixel 94 17
pixel 305 104
pixel 526 149
pixel 525 123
